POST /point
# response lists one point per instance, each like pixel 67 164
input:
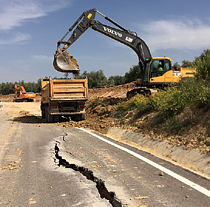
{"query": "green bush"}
pixel 202 64
pixel 142 103
pixel 174 99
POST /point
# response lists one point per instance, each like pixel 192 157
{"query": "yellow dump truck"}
pixel 63 98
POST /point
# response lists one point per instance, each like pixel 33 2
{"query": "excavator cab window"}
pixel 167 65
pixel 159 67
pixel 146 72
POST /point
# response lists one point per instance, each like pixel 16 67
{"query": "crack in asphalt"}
pixel 100 184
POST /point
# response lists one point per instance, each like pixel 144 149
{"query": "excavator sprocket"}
pixel 64 62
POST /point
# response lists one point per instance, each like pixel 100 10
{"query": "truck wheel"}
pixel 42 107
pixel 78 117
pixel 56 118
pixel 43 113
pixel 48 117
pixel 83 117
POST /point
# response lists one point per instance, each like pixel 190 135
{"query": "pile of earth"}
pixel 7 98
pixel 193 124
pixel 114 92
pixel 193 132
pixel 101 108
pixel 98 117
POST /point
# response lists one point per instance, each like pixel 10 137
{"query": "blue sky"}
pixel 30 29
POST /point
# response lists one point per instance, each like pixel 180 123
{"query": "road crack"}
pixel 100 184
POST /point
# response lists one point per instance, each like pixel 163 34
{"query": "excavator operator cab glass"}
pixel 146 72
pixel 159 67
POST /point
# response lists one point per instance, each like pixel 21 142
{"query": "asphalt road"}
pixel 45 164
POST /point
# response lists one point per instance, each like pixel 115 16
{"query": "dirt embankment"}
pixel 10 98
pixel 194 122
pixel 191 130
pixel 101 116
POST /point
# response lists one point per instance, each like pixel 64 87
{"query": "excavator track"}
pixel 141 90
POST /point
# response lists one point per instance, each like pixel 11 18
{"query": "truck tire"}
pixel 43 114
pixel 78 117
pixel 56 118
pixel 42 110
pixel 83 117
pixel 48 117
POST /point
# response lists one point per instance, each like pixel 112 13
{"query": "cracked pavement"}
pixel 45 164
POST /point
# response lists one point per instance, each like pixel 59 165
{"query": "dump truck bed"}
pixel 64 89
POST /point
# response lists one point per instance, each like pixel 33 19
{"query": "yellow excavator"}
pixel 156 72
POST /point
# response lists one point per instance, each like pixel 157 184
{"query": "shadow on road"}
pixel 31 119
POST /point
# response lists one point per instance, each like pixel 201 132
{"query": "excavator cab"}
pixel 156 70
pixel 159 67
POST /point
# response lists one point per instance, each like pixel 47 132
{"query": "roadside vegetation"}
pixel 8 87
pixel 172 100
pixel 177 109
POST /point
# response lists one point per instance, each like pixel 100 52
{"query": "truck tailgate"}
pixel 65 89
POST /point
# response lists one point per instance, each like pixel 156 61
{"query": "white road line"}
pixel 161 168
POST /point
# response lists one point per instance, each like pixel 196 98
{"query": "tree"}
pixel 6 88
pixel 96 79
pixel 115 80
pixel 133 74
pixel 84 75
pixel 186 63
pixel 176 65
pixel 202 65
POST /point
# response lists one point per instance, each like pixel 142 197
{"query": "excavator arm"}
pixel 64 62
pixel 20 88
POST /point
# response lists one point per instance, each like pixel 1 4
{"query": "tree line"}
pixel 97 79
pixel 8 87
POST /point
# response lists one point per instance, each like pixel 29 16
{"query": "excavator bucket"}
pixel 66 63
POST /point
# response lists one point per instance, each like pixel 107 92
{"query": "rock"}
pixel 161 173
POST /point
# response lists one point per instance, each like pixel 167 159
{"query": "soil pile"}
pixel 192 130
pixel 193 124
pixel 114 92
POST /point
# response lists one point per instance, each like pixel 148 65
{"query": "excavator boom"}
pixel 64 62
